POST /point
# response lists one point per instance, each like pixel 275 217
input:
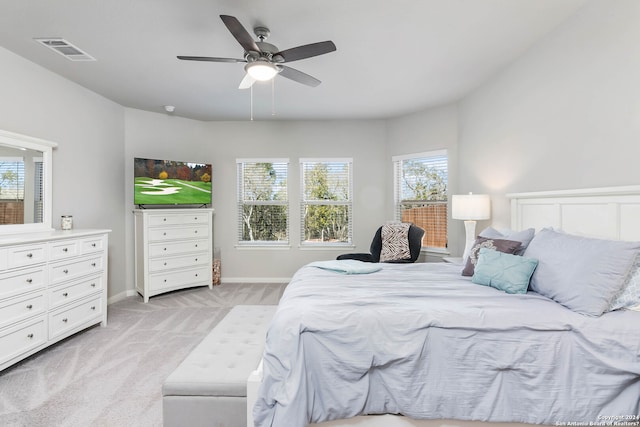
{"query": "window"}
pixel 263 202
pixel 326 203
pixel 12 190
pixel 421 194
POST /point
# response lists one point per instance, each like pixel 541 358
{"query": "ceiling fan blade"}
pixel 247 82
pixel 240 33
pixel 307 51
pixel 210 59
pixel 298 76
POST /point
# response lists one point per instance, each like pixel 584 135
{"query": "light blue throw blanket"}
pixel 347 266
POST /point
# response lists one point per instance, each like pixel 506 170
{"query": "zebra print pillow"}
pixel 395 242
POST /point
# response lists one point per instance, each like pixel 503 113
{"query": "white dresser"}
pixel 52 285
pixel 174 249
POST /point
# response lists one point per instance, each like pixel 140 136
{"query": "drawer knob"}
pixel 196 231
pixel 164 234
pixel 65 250
pixel 164 219
pixel 93 264
pixel 65 320
pixel 29 280
pixel 93 244
pixel 30 336
pixel 196 245
pixel 65 271
pixel 93 285
pixel 29 255
pixel 29 306
pixel 93 307
pixel 165 263
pixel 165 280
pixel 196 259
pixel 66 294
pixel 196 274
pixel 164 249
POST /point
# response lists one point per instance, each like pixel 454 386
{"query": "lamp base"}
pixel 470 234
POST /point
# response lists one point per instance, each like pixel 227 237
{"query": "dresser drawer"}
pixel 175 248
pixel 179 219
pixel 76 268
pixel 64 249
pixel 23 337
pixel 93 245
pixel 180 278
pixel 78 315
pixel 20 281
pixel 15 309
pixel 173 233
pixel 169 263
pixel 75 290
pixel 24 256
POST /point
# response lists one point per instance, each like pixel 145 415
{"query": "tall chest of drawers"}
pixel 173 250
pixel 52 285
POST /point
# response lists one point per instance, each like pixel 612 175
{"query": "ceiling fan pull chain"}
pixel 251 89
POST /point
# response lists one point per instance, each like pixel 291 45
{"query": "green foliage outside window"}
pixel 423 182
pixel 264 202
pixel 326 208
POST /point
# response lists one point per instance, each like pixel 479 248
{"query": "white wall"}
pixel 565 115
pixel 221 143
pixel 88 172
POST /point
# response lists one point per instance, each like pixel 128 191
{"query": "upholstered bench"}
pixel 209 388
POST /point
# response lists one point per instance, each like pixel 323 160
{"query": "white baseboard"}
pixel 121 296
pixel 274 280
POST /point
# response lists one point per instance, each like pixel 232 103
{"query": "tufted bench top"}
pixel 222 362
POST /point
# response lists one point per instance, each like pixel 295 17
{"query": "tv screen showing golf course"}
pixel 170 182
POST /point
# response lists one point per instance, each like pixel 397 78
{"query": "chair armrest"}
pixel 357 256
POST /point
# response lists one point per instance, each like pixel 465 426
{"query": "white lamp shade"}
pixel 471 207
pixel 261 70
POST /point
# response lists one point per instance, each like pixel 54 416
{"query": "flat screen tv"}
pixel 170 182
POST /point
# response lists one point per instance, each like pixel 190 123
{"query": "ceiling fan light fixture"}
pixel 261 70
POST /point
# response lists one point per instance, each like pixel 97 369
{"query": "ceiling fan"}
pixel 264 60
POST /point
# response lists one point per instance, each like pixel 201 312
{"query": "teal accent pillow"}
pixel 506 272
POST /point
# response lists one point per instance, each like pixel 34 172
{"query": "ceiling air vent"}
pixel 65 49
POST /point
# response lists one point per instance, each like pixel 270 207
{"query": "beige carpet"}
pixel 113 376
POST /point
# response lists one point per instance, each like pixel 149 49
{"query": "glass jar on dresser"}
pixel 53 284
pixel 173 250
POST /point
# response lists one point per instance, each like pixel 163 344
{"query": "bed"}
pixel 423 341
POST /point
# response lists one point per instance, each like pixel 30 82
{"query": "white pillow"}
pixel 581 273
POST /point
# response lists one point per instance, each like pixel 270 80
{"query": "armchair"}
pixel 414 236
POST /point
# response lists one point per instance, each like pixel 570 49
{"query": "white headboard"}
pixel 612 212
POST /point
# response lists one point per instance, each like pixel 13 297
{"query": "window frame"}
pixel 241 203
pixel 348 203
pixel 397 189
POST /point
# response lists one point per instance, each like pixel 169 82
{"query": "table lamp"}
pixel 470 207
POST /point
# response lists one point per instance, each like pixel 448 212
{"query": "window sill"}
pixel 436 251
pixel 263 247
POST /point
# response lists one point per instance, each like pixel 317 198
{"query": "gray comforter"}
pixel 423 341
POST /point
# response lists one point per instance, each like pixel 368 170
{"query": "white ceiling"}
pixel 392 58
